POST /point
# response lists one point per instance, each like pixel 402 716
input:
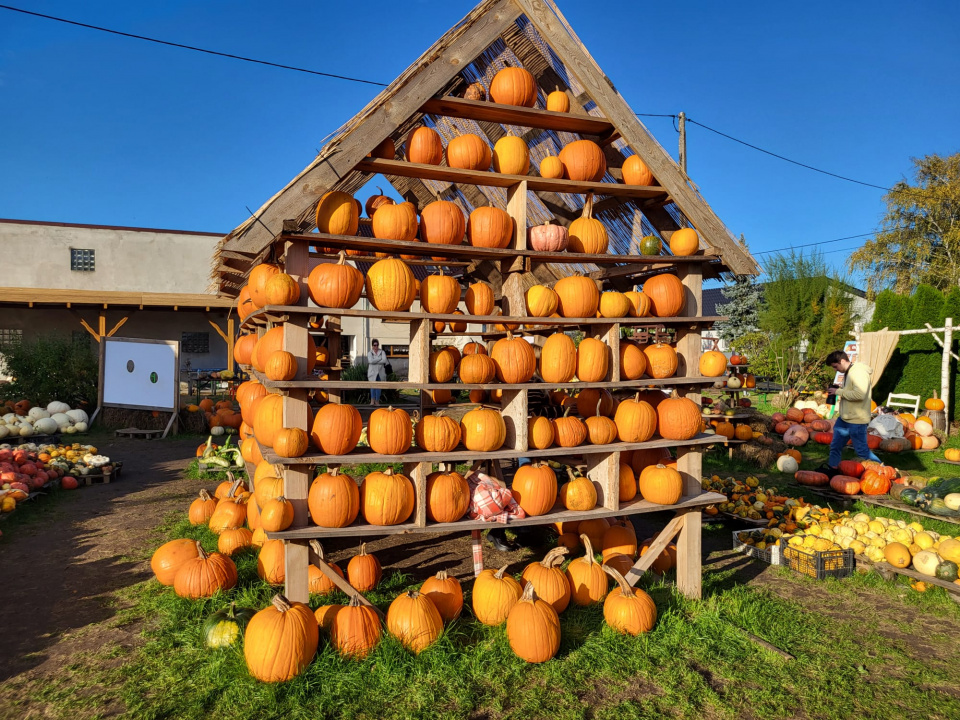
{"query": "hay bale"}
pixel 761 455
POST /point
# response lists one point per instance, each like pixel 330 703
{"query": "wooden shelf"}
pixel 317 383
pixel 633 507
pixel 366 455
pixel 513 115
pixel 469 252
pixel 275 312
pixel 492 179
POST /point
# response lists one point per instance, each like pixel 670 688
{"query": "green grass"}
pixel 697 662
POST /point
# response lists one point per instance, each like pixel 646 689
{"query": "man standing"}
pixel 854 399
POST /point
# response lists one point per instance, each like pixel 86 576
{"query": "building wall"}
pixel 127 259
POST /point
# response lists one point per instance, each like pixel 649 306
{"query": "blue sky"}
pixel 107 130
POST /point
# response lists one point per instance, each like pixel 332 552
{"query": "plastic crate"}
pixel 820 564
pixel 770 555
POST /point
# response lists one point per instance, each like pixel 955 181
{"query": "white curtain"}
pixel 876 349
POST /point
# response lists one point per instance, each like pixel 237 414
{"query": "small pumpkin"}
pixel 627 609
pixel 548 237
pixel 364 570
pixel 414 620
pixel 660 484
pixel 204 575
pixel 424 146
pixel 588 580
pixel 533 628
pixel 355 629
pixel 445 592
pixel 494 594
pixel 224 627
pixel 514 86
pixel 587 235
pixel 578 493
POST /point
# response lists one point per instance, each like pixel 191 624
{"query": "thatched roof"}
pixel 528 33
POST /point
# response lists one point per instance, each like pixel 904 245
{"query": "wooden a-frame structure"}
pixel 534 34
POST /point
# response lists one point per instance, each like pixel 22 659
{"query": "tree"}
pixel 51 368
pixel 744 298
pixel 807 314
pixel 919 237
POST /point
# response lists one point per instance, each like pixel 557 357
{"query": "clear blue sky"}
pixel 107 130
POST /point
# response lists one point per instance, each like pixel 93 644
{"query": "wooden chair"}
pixel 904 400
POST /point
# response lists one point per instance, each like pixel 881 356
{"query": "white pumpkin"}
pixel 4 431
pixel 216 430
pixel 70 430
pixel 57 407
pixel 46 426
pixel 61 420
pixel 10 418
pixel 787 464
pixel 823 410
pixel 80 427
pixel 926 562
pixel 78 416
pixel 952 500
pixel 733 382
pixel 26 429
pixel 923 427
pixel 37 413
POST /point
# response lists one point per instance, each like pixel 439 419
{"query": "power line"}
pixel 822 242
pixel 191 47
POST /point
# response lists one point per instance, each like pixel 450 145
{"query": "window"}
pixel 346 342
pixel 397 351
pixel 10 337
pixel 83 260
pixel 195 342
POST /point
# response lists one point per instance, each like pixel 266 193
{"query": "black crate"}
pixel 820 564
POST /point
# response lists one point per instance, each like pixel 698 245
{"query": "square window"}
pixel 83 260
pixel 195 342
pixel 10 337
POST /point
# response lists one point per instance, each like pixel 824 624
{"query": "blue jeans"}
pixel 843 431
pixel 375 394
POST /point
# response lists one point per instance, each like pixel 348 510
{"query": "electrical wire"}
pixel 822 242
pixel 191 47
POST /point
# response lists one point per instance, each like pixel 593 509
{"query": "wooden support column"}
pixel 296 478
pixel 604 471
pixel 688 349
pixel 513 408
pixel 689 568
pixel 945 369
pixel 417 472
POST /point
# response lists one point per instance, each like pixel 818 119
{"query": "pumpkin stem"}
pixel 200 551
pixel 281 603
pixel 570 473
pixel 231 611
pixel 354 600
pixel 636 398
pixel 599 400
pixel 529 594
pixel 204 495
pixel 589 547
pixel 625 588
pixel 442 575
pixel 343 257
pixel 315 544
pixel 234 487
pixel 388 472
pixel 335 471
pixel 588 207
pixel 554 557
pixel 498 574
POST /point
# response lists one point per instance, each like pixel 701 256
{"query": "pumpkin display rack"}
pixel 516 262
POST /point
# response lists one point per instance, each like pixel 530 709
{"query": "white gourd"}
pixel 37 413
pixel 57 407
pixel 78 416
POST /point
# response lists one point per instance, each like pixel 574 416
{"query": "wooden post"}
pixel 231 339
pixel 417 472
pixel 688 350
pixel 945 370
pixel 513 408
pixel 683 142
pixel 688 555
pixel 604 472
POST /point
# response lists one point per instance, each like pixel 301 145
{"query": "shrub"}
pixel 51 368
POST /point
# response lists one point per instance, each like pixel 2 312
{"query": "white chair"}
pixel 904 400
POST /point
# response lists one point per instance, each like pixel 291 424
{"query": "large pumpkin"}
pixel 588 581
pixel 633 361
pixel 204 575
pixel 334 499
pixel 268 419
pixel 243 349
pixel 169 557
pixel 628 610
pixel 479 299
pixel 477 369
pixel 591 401
pixel 414 620
pixel 442 223
pixel 280 640
pixel 468 152
pixel 579 296
pixel 257 282
pixel 535 488
pixel 337 214
pixel 514 86
pixel 541 301
pixel 636 172
pixel 390 285
pixel 569 431
pixel 845 485
pixel 494 594
pixel 448 496
pixel 437 432
pixel 666 293
pixel 578 493
pixel 490 227
pixel 446 593
pixel 424 146
pixel 336 429
pixel 640 303
pixel 355 629
pixel 558 359
pixel 873 483
pixel 533 628
pixel 713 363
pixel 684 242
pixel 548 579
pixel 583 160
pixel 678 418
pixel 548 237
pixel 636 420
pixel 364 570
pixel 515 359
pixel 587 235
pixel 511 156
pixel 540 432
pixel 386 498
pixel 335 285
pixel 395 222
pixel 614 304
pixel 660 484
pixel 483 430
pixel 439 293
pixel 593 360
pixel 389 431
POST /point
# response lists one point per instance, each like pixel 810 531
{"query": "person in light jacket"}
pixel 854 399
pixel 376 369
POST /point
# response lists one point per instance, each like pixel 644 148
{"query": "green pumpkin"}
pixel 650 245
pixel 946 571
pixel 908 496
pixel 224 627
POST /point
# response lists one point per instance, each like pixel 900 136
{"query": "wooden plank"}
pixel 512 115
pixel 884 567
pixel 381 118
pixel 60 296
pixel 543 14
pixel 486 178
pixel 513 409
pixel 419 354
pixel 362 455
pixel 659 544
pixel 689 573
pixel 338 580
pixel 417 472
pixel 689 344
pixel 604 472
pixel 633 507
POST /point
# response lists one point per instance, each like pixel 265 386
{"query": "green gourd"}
pixel 650 245
pixel 947 571
pixel 224 627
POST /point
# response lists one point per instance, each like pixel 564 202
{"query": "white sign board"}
pixel 140 374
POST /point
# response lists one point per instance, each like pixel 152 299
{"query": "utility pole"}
pixel 683 142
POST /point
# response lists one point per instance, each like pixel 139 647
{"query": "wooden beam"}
pixel 436 67
pixel 658 545
pixel 103 325
pixel 220 332
pixel 90 330
pixel 557 33
pixel 117 326
pixel 231 339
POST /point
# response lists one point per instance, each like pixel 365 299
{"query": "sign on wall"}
pixel 140 374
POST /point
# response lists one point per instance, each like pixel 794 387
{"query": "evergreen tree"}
pixel 744 298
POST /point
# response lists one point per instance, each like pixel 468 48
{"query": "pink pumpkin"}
pixel 548 238
pixel 796 436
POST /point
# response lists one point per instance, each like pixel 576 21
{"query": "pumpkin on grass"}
pixel 445 592
pixel 533 628
pixel 280 640
pixel 494 594
pixel 202 509
pixel 364 570
pixel 204 575
pixel 318 583
pixel 414 620
pixel 326 615
pixel 271 561
pixel 588 581
pixel 620 539
pixel 355 629
pixel 236 540
pixel 169 557
pixel 224 627
pixel 548 579
pixel 627 609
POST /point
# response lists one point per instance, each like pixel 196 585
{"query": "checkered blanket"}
pixel 490 502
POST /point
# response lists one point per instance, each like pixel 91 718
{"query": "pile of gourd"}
pixel 746 499
pixel 25 421
pixel 881 539
pixel 75 459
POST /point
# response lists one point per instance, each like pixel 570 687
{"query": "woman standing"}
pixel 376 369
